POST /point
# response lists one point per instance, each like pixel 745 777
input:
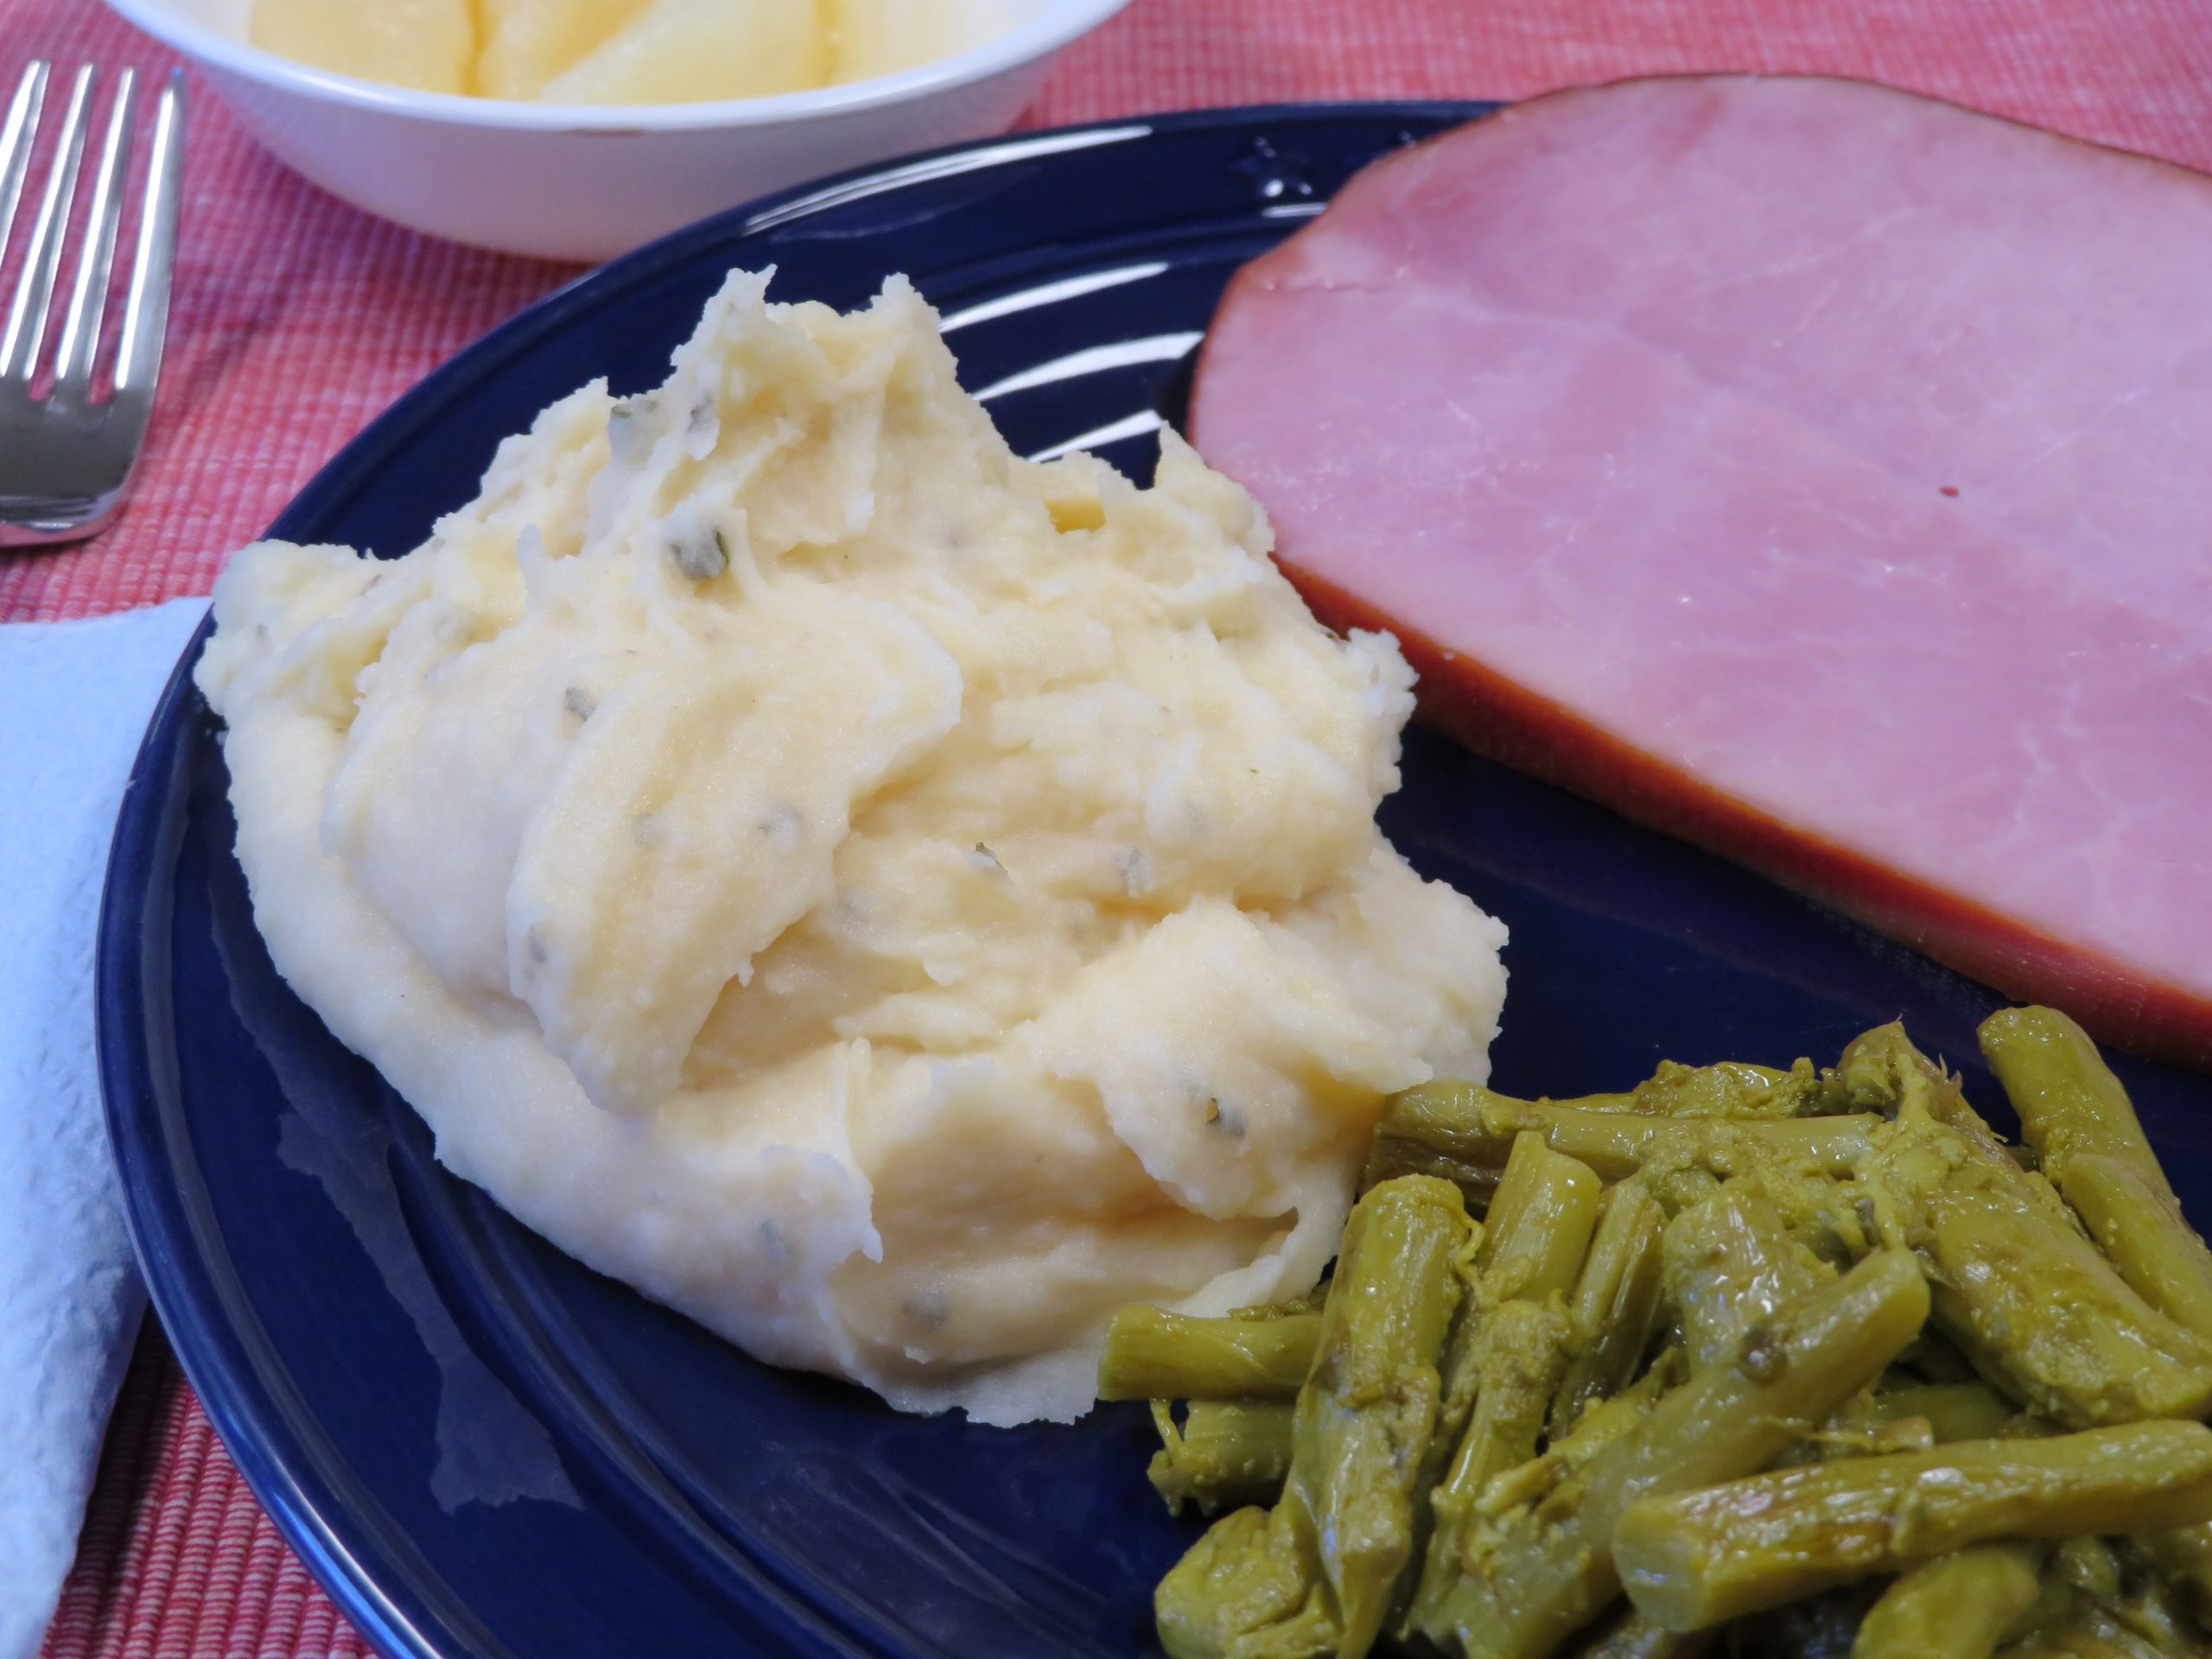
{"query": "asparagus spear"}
pixel 2140 1226
pixel 1951 1411
pixel 1389 1158
pixel 1730 1263
pixel 1226 1454
pixel 1525 1348
pixel 1934 1358
pixel 1957 1607
pixel 1616 1303
pixel 2056 1328
pixel 2087 1566
pixel 2183 1555
pixel 2076 1116
pixel 1734 1088
pixel 1635 1636
pixel 1473 1127
pixel 1597 1428
pixel 2035 1306
pixel 1514 1341
pixel 2067 1099
pixel 1915 1419
pixel 1538 1225
pixel 2090 1608
pixel 1538 1228
pixel 2086 1637
pixel 1251 1588
pixel 1693 1558
pixel 1152 1354
pixel 1540 1574
pixel 1729 1089
pixel 1882 1065
pixel 2150 1603
pixel 1317 1573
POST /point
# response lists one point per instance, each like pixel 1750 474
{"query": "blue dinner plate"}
pixel 481 1447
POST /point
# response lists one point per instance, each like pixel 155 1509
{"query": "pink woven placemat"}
pixel 296 320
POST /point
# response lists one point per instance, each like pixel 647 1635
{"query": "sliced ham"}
pixel 1815 470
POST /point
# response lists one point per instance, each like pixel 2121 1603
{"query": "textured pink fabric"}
pixel 298 320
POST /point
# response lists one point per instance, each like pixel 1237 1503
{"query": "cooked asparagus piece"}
pixel 1616 1303
pixel 1226 1454
pixel 1316 1575
pixel 2035 1307
pixel 1388 1159
pixel 2141 1228
pixel 1734 1089
pixel 2055 1327
pixel 1538 1225
pixel 1152 1354
pixel 2087 1637
pixel 1524 1349
pixel 1917 1418
pixel 1882 1065
pixel 2068 1100
pixel 1957 1607
pixel 1514 1341
pixel 2183 1555
pixel 1608 1420
pixel 2076 1116
pixel 1730 1263
pixel 1472 1126
pixel 1635 1636
pixel 1951 1411
pixel 1251 1588
pixel 2067 1624
pixel 1934 1358
pixel 1536 1576
pixel 1538 1229
pixel 1729 1089
pixel 2150 1603
pixel 1693 1558
pixel 2087 1566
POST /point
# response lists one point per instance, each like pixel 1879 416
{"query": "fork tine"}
pixel 146 310
pixel 15 143
pixel 35 288
pixel 80 327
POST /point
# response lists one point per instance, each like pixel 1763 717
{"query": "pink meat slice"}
pixel 1815 470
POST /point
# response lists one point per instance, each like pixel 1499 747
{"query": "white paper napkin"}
pixel 74 697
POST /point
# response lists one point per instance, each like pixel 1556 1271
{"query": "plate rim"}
pixel 131 975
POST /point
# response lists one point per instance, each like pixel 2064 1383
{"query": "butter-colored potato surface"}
pixel 429 45
pixel 622 51
pixel 882 37
pixel 528 42
pixel 695 51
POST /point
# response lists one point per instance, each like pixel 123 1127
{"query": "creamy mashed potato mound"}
pixel 893 901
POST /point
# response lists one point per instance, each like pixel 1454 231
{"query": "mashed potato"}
pixel 891 901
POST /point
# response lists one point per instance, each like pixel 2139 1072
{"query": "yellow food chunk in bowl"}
pixel 698 51
pixel 528 42
pixel 429 45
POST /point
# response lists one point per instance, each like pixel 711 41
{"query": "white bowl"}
pixel 578 182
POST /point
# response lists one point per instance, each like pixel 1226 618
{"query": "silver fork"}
pixel 66 458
